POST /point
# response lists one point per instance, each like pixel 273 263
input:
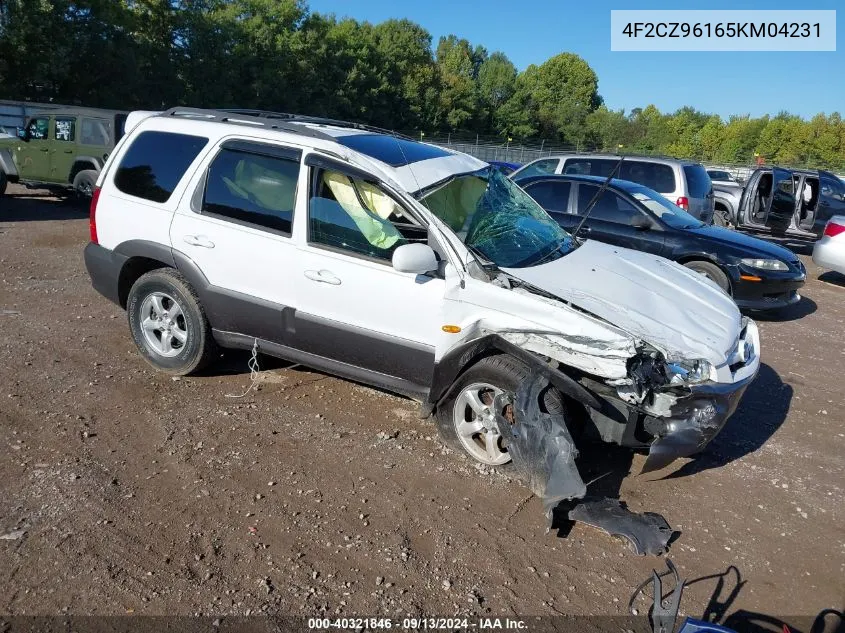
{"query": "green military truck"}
pixel 61 149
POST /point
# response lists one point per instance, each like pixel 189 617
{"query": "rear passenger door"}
pixel 235 225
pixel 613 220
pixel 63 150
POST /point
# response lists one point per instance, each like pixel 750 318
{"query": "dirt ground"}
pixel 125 491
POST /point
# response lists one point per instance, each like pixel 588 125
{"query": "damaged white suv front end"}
pixel 658 355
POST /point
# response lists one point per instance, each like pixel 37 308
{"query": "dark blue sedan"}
pixel 757 274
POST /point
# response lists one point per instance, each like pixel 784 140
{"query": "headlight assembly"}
pixel 765 264
pixel 689 372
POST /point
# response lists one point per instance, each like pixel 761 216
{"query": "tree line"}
pixel 279 55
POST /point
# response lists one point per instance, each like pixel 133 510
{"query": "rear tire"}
pixel 712 272
pixel 720 218
pixel 494 373
pixel 4 181
pixel 84 183
pixel 168 323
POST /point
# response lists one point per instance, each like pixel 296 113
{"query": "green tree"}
pixel 458 105
pixel 563 91
pixel 496 84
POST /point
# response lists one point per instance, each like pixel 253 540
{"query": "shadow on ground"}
pixel 833 278
pixel 805 306
pixel 38 206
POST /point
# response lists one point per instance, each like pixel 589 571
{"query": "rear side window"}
pixel 252 189
pixel 698 182
pixel 539 168
pixel 155 163
pixel 95 132
pixel 590 166
pixel 655 176
pixel 65 129
pixel 552 196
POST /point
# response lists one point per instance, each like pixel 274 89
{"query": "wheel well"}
pixel 80 165
pixel 131 271
pixel 700 258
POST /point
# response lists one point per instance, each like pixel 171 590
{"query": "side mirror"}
pixel 22 134
pixel 641 223
pixel 414 258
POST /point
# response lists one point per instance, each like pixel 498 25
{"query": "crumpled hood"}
pixel 661 302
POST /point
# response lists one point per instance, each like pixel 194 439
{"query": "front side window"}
pixel 37 129
pixel 65 129
pixel 539 168
pixel 833 189
pixel 253 189
pixel 357 216
pixel 497 220
pixel 95 132
pixel 155 163
pixel 610 207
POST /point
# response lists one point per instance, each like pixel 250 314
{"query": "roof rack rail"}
pixel 247 120
pixel 315 120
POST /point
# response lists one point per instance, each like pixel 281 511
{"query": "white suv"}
pixel 408 267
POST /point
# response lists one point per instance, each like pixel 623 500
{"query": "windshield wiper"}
pixel 595 199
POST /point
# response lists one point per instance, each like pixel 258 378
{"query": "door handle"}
pixel 198 240
pixel 68 151
pixel 324 276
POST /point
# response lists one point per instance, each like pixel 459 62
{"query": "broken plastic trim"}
pixel 542 450
pixel 648 533
pixel 544 454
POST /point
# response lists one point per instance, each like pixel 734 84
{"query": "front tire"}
pixel 465 419
pixel 712 272
pixel 168 323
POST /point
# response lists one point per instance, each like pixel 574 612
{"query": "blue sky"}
pixel 724 83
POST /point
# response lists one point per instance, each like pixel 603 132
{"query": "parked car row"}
pixel 781 201
pixel 61 149
pixel 684 183
pixel 757 274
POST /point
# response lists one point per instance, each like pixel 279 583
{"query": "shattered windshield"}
pixel 497 220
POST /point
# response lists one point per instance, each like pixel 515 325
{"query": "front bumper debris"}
pixel 544 453
pixel 542 450
pixel 693 422
pixel 648 533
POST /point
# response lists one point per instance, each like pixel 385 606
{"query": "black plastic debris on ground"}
pixel 544 454
pixel 648 533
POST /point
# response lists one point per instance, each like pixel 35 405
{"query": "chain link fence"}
pixel 493 149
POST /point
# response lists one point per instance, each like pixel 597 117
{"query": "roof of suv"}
pixel 411 164
pixel 644 158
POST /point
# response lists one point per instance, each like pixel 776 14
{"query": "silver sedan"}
pixel 829 251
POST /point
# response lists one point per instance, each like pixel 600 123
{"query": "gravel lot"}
pixel 125 491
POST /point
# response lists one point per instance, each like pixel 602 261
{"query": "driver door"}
pixel 781 207
pixel 34 153
pixel 353 307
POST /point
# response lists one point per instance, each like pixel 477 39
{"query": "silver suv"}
pixel 685 183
